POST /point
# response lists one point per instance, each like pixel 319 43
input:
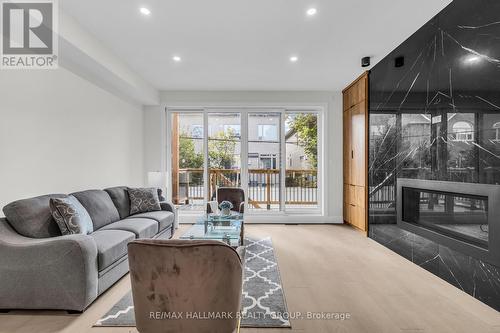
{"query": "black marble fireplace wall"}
pixel 435 115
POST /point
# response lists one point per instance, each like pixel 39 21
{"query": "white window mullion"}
pixel 244 154
pixel 320 176
pixel 168 152
pixel 205 158
pixel 282 164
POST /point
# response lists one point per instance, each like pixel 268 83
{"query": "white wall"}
pixel 60 133
pixel 155 141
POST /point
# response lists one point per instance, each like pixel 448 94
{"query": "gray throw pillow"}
pixel 143 200
pixel 71 216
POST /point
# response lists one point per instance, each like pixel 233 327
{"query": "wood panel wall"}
pixel 355 159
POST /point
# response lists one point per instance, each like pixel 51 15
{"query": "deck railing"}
pixel 301 186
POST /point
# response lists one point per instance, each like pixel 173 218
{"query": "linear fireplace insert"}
pixel 462 216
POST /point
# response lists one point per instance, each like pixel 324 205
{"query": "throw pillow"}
pixel 71 216
pixel 160 195
pixel 143 200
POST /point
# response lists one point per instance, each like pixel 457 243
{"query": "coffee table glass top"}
pixel 226 229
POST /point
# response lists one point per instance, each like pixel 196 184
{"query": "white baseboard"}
pixel 277 219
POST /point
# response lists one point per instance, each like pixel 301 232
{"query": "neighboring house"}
pixel 416 131
pixel 461 138
pixel 462 143
pixel 263 134
pixel 296 157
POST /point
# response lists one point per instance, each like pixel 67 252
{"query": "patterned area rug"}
pixel 263 302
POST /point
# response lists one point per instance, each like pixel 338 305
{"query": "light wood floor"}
pixel 324 268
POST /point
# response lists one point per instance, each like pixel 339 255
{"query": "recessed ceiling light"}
pixel 176 58
pixel 294 58
pixel 312 11
pixel 145 11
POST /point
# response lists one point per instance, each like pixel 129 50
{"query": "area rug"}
pixel 263 302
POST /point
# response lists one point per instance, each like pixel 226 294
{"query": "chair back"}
pixel 177 282
pixel 234 195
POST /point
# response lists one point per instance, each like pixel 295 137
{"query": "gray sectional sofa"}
pixel 40 269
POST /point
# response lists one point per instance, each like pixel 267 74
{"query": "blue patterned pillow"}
pixel 143 200
pixel 71 216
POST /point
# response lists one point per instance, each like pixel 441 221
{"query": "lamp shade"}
pixel 156 179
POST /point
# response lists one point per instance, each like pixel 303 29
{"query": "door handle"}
pixel 352 154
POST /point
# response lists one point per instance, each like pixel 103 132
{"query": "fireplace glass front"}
pixel 459 216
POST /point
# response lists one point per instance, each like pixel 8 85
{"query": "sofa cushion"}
pixel 111 246
pixel 32 218
pixel 119 195
pixel 143 200
pixel 71 216
pixel 141 227
pixel 165 219
pixel 101 208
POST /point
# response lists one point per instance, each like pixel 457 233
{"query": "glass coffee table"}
pixel 229 229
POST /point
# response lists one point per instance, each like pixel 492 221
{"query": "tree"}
pixel 306 127
pixel 221 149
pixel 188 157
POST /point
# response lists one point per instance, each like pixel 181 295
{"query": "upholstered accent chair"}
pixel 177 283
pixel 235 195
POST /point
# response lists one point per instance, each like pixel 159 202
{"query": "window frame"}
pixel 319 110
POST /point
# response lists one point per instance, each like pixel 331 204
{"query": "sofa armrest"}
pixel 169 207
pixel 48 273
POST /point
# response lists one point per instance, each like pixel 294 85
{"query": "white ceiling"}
pixel 246 44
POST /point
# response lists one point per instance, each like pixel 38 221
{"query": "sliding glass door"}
pixel 301 140
pixel 224 150
pixel 272 154
pixel 264 161
pixel 187 147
